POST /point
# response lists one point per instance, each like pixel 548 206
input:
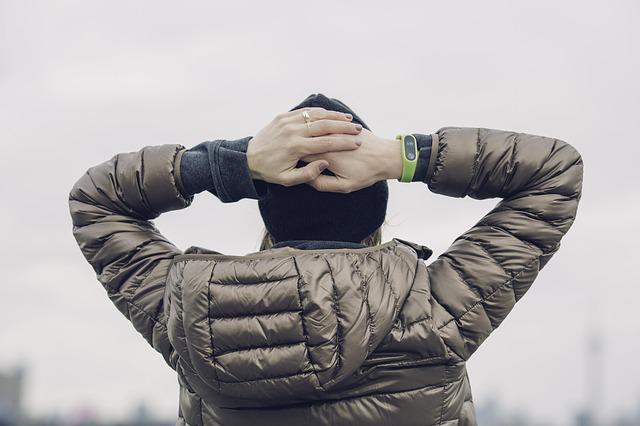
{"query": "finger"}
pixel 317 113
pixel 313 157
pixel 327 183
pixel 323 144
pixel 305 174
pixel 328 127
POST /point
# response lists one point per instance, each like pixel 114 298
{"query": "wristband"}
pixel 409 156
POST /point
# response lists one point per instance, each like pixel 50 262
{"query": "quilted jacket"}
pixel 364 336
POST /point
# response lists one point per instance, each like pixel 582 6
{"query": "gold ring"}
pixel 307 118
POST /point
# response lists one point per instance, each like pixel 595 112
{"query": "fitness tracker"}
pixel 409 156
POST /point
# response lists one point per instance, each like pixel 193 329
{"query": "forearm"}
pixel 477 281
pixel 220 167
pixel 537 177
pixel 111 207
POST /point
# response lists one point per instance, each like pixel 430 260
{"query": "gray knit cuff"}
pixel 230 171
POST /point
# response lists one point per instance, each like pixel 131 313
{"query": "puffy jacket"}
pixel 364 336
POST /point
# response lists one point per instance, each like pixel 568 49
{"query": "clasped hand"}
pixel 355 156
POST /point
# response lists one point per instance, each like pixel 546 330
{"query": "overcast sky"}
pixel 83 80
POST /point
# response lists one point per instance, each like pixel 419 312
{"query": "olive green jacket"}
pixel 368 336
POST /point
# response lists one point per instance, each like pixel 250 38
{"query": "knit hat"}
pixel 300 212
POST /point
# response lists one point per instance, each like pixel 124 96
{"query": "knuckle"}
pixel 310 129
pixel 325 126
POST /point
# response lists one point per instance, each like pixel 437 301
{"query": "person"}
pixel 326 324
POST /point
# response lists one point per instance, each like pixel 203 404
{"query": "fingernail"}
pixel 358 143
pixel 358 127
pixel 349 116
pixel 323 166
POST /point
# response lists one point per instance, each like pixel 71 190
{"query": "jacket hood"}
pixel 284 323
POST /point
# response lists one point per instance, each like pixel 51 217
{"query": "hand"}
pixel 272 155
pixel 377 159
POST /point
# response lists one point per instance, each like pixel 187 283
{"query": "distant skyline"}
pixel 490 412
pixel 82 81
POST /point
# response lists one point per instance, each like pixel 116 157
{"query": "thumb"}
pixel 307 173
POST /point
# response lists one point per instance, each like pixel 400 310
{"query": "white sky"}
pixel 81 81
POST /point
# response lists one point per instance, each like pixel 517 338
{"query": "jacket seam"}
pixel 450 257
pixel 439 162
pixel 258 347
pixel 311 372
pixel 138 308
pixel 210 322
pixel 444 393
pixel 339 331
pixel 435 142
pixel 118 264
pixel 526 241
pixel 448 346
pixel 535 215
pixel 178 174
pixel 474 167
pixel 139 180
pixel 510 165
pixel 273 281
pixel 305 333
pixel 255 315
pixel 365 296
pixel 484 299
pixel 186 201
pixel 462 279
pixel 396 299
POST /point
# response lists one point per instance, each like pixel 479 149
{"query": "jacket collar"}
pixel 422 251
pixel 317 244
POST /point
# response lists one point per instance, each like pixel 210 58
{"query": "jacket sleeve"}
pixel 111 208
pixel 477 281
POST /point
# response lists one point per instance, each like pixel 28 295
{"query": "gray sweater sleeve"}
pixel 424 154
pixel 220 167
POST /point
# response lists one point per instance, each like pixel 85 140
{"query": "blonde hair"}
pixel 374 239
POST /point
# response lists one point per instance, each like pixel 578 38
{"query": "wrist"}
pixel 409 149
pixel 251 160
pixel 391 159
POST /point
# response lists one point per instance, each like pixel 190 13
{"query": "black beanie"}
pixel 300 212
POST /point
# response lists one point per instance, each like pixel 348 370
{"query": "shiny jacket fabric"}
pixel 350 336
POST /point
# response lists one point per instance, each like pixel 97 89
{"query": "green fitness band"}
pixel 409 156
